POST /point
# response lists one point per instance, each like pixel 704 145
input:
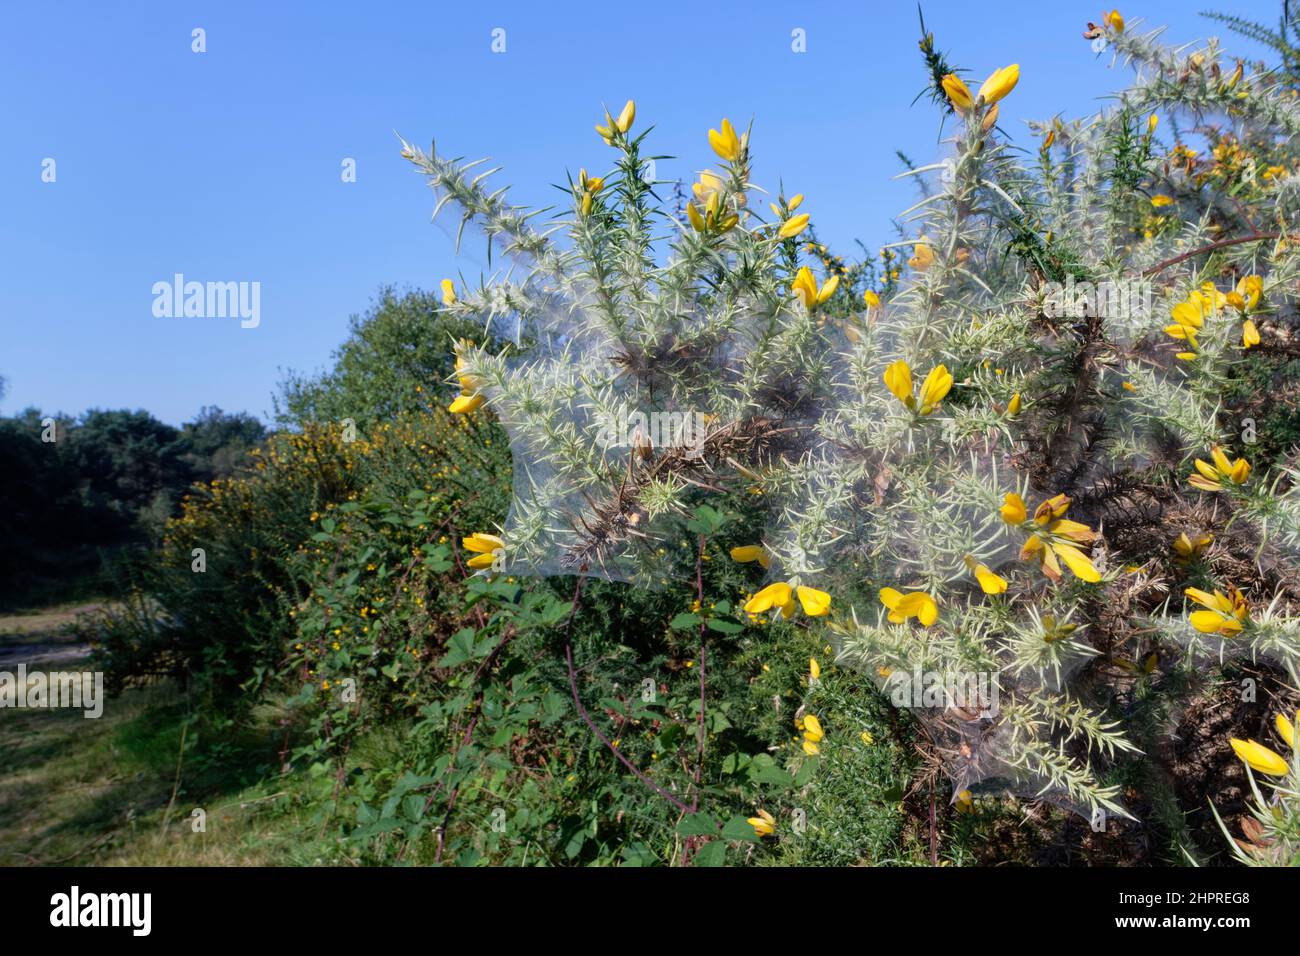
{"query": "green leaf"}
pixel 697 824
pixel 723 626
pixel 763 769
pixel 707 521
pixel 413 807
pixel 738 828
pixel 460 648
pixel 805 772
pixel 713 853
pixel 734 763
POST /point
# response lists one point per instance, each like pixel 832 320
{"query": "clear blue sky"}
pixel 225 165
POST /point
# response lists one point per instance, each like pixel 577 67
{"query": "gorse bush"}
pixel 232 567
pixel 1026 464
pixel 221 577
pixel 690 540
pixel 380 567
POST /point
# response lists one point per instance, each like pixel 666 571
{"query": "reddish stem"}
pixel 582 711
pixel 700 732
pixel 1257 237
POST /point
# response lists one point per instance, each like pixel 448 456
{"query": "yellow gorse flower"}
pixel 587 189
pixel 1114 21
pixel 1224 614
pixel 1189 316
pixel 1187 548
pixel 626 117
pixel 1245 297
pixel 898 379
pixel 1013 406
pixel 805 287
pixel 1212 477
pixel 485 547
pixel 468 383
pixel 793 226
pixel 814 669
pixel 463 404
pixel 814 602
pixel 448 292
pixel 958 93
pixel 1260 758
pixel 775 595
pixel 469 398
pixel 751 552
pixel 812 734
pixel 990 581
pixel 1000 83
pixel 764 824
pixel 915 604
pixel 618 126
pixel 713 219
pixel 590 184
pixel 1287 729
pixel 726 143
pixel 1264 759
pixel 1053 537
pixel 710 182
pixel 922 257
pixel 782 596
pixel 1249 334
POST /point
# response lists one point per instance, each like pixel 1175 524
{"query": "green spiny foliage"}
pixel 928 523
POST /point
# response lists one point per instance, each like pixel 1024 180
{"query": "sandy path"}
pixel 45 637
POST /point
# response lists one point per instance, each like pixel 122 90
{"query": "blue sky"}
pixel 225 165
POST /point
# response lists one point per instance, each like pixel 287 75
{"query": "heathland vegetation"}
pixel 436 615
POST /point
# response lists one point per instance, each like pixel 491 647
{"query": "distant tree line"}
pixel 76 512
pixel 73 508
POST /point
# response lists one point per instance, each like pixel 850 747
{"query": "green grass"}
pixel 80 791
pixel 119 790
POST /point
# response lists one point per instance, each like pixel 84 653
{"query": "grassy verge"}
pixel 103 792
pixel 123 789
pixel 120 789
